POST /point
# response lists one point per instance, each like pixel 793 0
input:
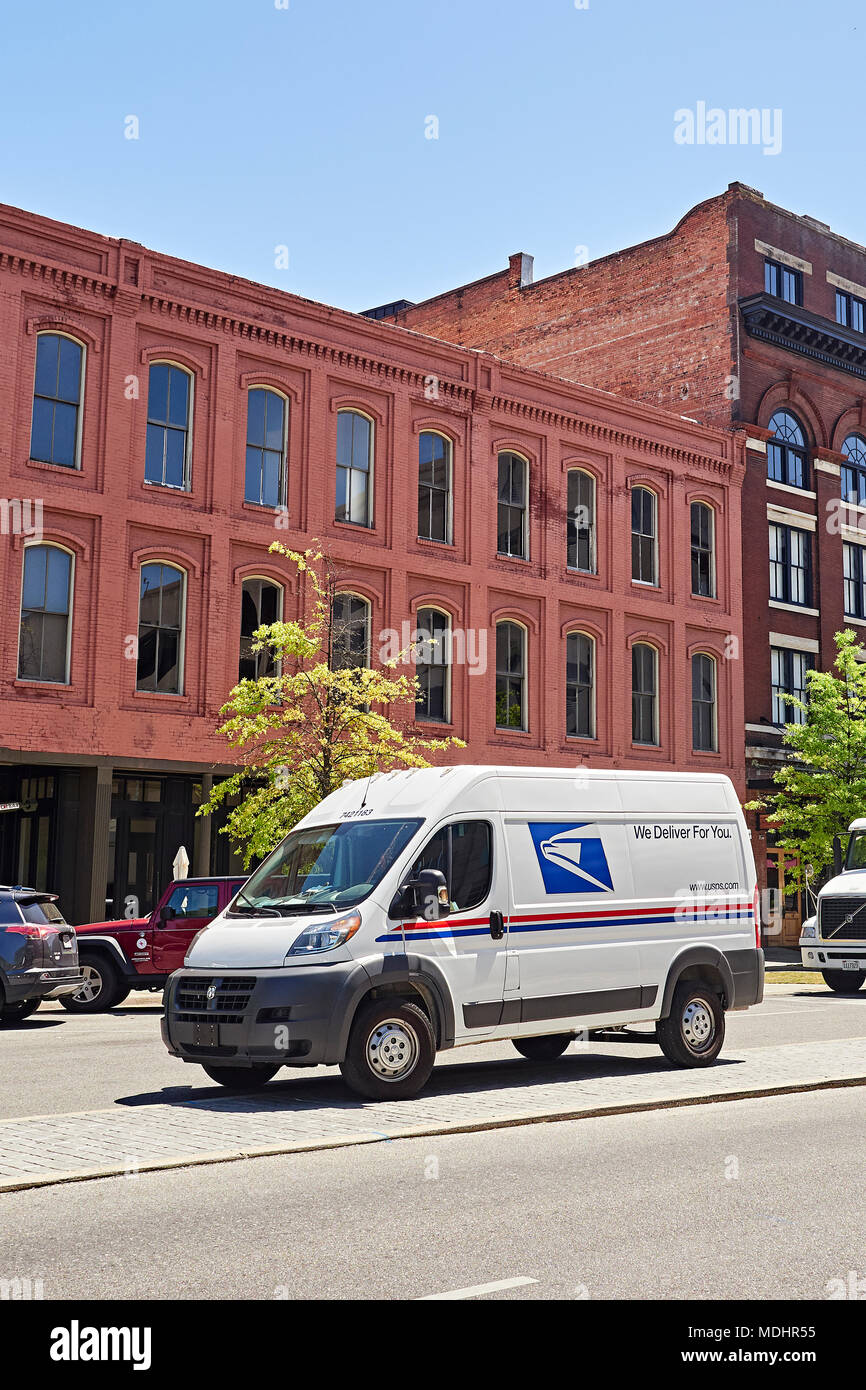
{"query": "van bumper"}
pixel 282 1017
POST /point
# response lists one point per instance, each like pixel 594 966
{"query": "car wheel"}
pixel 543 1049
pixel 693 1033
pixel 241 1078
pixel 14 1013
pixel 391 1050
pixel 844 981
pixel 103 987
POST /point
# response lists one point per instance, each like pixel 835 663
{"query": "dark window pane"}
pixel 274 434
pixel 157 393
pixel 175 448
pixel 69 371
pixel 154 460
pixel 253 477
pixel 256 401
pixel 178 398
pixel 46 364
pixel 57 580
pixel 42 429
pixel 35 570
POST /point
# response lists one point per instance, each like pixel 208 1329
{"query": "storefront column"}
pixel 93 843
pixel 202 833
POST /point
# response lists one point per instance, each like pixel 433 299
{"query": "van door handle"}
pixel 497 926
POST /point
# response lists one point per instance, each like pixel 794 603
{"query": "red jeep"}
pixel 141 952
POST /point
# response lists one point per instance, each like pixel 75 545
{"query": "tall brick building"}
pixel 162 423
pixel 745 315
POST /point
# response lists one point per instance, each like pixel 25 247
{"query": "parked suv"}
pixel 141 952
pixel 38 952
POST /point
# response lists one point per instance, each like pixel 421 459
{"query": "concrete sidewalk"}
pixel 301 1113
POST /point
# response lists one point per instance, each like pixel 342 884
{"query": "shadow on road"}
pixel 454 1079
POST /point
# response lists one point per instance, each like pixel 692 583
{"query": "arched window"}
pixel 169 397
pixel 854 471
pixel 350 632
pixel 644 694
pixel 261 605
pixel 513 506
pixel 57 398
pixel 510 676
pixel 703 550
pixel 644 536
pixel 704 718
pixel 354 468
pixel 579 685
pixel 433 668
pixel 161 607
pixel 46 606
pixel 787 459
pixel 265 477
pixel 434 487
pixel 580 540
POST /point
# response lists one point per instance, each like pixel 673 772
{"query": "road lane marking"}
pixel 476 1290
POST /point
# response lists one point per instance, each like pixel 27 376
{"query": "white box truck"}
pixel 834 940
pixel 427 909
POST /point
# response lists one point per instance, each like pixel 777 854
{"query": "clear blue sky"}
pixel 305 127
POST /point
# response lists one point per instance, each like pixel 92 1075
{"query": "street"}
pixel 695 1201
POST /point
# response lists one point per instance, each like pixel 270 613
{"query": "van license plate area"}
pixel 206 1034
pixel 852 965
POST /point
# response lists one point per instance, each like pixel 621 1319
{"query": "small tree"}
pixel 823 788
pixel 315 721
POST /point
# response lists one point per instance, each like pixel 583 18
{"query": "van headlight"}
pixel 326 935
pixel 810 929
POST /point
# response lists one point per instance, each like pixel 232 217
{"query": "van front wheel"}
pixel 542 1049
pixel 693 1033
pixel 391 1050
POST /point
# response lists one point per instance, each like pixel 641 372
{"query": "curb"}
pixel 421 1132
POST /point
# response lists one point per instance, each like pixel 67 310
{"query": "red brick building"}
pixel 164 423
pixel 744 315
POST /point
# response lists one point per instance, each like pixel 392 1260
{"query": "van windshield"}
pixel 323 868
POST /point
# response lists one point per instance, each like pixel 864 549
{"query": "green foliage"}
pixel 823 787
pixel 314 723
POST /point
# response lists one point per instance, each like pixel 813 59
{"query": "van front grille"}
pixel 833 915
pixel 228 1003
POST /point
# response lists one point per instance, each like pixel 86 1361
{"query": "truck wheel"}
pixel 693 1033
pixel 241 1078
pixel 103 988
pixel 391 1050
pixel 14 1013
pixel 542 1049
pixel 844 981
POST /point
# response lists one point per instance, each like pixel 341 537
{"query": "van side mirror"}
pixel 425 896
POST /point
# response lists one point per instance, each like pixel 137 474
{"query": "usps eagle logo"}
pixel 571 858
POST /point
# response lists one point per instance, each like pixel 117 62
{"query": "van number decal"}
pixel 571 857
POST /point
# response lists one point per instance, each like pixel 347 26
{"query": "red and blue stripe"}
pixel 741 910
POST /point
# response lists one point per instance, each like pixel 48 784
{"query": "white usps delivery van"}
pixel 433 908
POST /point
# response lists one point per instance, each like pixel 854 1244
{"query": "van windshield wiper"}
pixel 253 910
pixel 299 907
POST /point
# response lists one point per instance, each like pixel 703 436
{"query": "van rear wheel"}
pixel 693 1033
pixel 542 1049
pixel 391 1050
pixel 844 981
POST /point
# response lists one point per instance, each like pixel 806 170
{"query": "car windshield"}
pixel 857 851
pixel 324 868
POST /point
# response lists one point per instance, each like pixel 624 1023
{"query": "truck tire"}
pixel 844 981
pixel 391 1050
pixel 15 1013
pixel 103 987
pixel 543 1049
pixel 693 1033
pixel 241 1078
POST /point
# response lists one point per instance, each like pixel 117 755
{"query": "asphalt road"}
pixel 56 1063
pixel 707 1202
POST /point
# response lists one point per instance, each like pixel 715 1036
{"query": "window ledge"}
pixel 439 545
pixel 572 573
pixel 513 559
pixel 73 468
pixel 524 734
pixel 48 687
pixel 265 507
pixel 858 622
pixel 789 487
pixel 162 695
pixel 795 608
pixel 166 489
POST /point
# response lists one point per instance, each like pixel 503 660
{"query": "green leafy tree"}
pixel 317 719
pixel 823 786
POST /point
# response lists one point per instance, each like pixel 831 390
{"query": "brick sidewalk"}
pixel 303 1113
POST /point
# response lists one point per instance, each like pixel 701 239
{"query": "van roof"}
pixel 432 791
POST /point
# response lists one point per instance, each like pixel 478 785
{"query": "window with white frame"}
pixel 644 536
pixel 261 605
pixel 854 471
pixel 162 600
pixel 46 607
pixel 704 715
pixel 510 676
pixel 265 469
pixel 703 550
pixel 787 456
pixel 350 632
pixel 433 668
pixel 354 468
pixel 580 540
pixel 579 685
pixel 434 487
pixel 790 565
pixel 57 400
pixel 513 503
pixel 790 670
pixel 854 569
pixel 169 396
pixel 644 694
